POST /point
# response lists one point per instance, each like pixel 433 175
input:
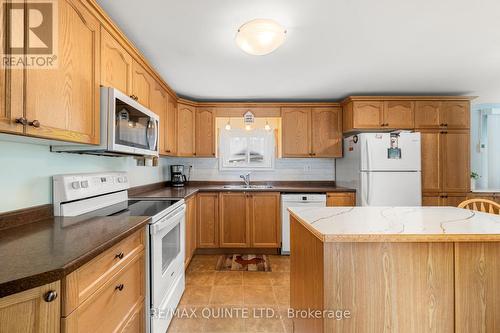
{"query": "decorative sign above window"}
pixel 249 118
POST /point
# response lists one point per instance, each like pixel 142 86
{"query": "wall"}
pixel 482 162
pixel 26 170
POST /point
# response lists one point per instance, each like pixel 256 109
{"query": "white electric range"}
pixel 106 194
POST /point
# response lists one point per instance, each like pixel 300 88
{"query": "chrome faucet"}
pixel 246 179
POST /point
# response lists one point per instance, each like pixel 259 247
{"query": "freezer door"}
pixel 390 189
pixel 376 154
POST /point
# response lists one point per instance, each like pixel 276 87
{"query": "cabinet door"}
pixel 234 226
pixel 453 200
pixel 28 311
pixel 170 142
pixel 296 123
pixel 368 114
pixel 186 118
pixel 455 114
pixel 431 161
pixel 65 101
pixel 326 132
pixel 399 114
pixel 205 132
pixel 431 200
pixel 341 199
pixel 208 220
pixel 456 169
pixel 116 64
pixel 265 220
pixel 159 102
pixel 190 229
pixel 427 114
pixel 142 84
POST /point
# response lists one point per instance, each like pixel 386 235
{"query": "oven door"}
pixel 167 253
pixel 134 128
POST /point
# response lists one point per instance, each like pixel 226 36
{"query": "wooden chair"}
pixel 481 205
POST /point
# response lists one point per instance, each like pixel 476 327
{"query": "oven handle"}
pixel 166 221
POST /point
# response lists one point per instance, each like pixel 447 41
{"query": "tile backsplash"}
pixel 285 169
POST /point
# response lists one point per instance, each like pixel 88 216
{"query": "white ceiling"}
pixel 334 48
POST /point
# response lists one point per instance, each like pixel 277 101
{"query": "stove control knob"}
pixel 75 185
pixel 120 180
pixel 125 179
pixel 85 184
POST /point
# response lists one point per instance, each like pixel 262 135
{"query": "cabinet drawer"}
pixel 114 304
pixel 82 283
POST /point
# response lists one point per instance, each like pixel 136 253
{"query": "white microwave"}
pixel 127 128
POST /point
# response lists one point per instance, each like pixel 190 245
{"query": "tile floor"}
pixel 219 299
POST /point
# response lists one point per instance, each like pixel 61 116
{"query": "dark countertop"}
pixel 41 252
pixel 192 188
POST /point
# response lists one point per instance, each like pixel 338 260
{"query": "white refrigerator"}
pixel 384 168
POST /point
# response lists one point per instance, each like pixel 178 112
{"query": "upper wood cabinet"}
pixel 296 137
pixel 186 123
pixel 234 224
pixel 326 132
pixel 340 199
pixel 159 104
pixel 29 311
pixel 190 229
pixel 116 64
pixel 68 108
pixel 399 114
pixel 142 84
pixel 442 114
pixel 169 128
pixel 264 219
pixel 207 227
pixel 378 115
pixel 205 132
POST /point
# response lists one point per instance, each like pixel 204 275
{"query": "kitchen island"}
pixel 385 269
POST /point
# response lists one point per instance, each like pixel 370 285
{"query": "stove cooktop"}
pixel 134 208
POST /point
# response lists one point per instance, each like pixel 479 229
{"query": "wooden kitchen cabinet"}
pixel 430 147
pixel 442 114
pixel 455 160
pixel 142 84
pixel 205 132
pixel 186 123
pixel 296 135
pixel 116 64
pixel 264 215
pixel 159 104
pixel 311 132
pixel 399 114
pixel 190 229
pixel 234 222
pixel 341 199
pixel 63 103
pixel 326 132
pixel 444 199
pixel 207 228
pixel 30 310
pixel 170 121
pixel 377 115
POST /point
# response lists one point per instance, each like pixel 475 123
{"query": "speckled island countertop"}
pixel 398 224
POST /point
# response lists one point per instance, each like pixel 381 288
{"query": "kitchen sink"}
pixel 247 187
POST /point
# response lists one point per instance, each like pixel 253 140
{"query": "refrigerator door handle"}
pixel 368 181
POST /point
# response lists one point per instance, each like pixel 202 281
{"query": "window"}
pixel 246 150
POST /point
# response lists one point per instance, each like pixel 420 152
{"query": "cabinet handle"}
pixel 50 296
pixel 386 124
pixel 446 125
pixel 34 123
pixel 441 124
pixel 119 256
pixel 21 120
pixel 443 132
pixel 119 287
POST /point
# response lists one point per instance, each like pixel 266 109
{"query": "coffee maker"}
pixel 178 178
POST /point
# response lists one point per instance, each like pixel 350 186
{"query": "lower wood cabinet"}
pixel 250 220
pixel 207 227
pixel 107 293
pixel 443 199
pixel 339 199
pixel 190 229
pixel 31 310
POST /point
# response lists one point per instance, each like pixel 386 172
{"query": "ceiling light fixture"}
pixel 260 36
